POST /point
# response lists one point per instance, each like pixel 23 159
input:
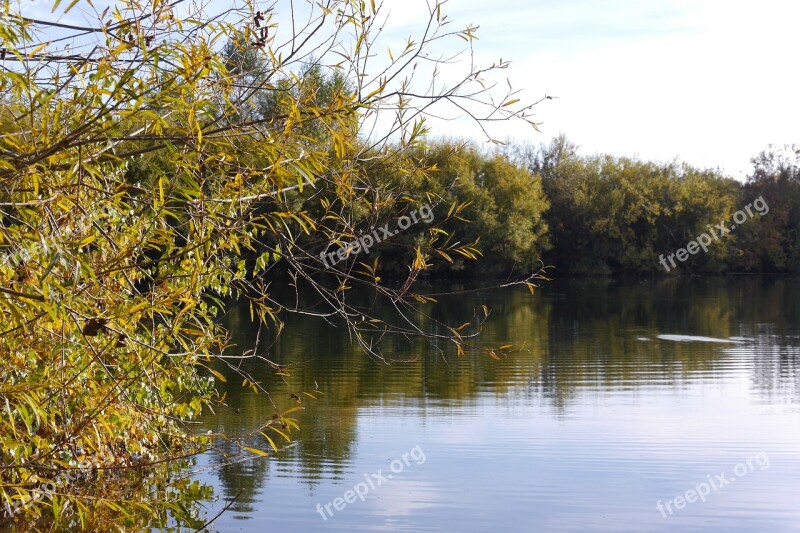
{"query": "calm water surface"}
pixel 623 396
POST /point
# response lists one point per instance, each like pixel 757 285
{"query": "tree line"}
pixel 602 215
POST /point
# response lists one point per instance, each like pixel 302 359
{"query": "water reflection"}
pixel 615 388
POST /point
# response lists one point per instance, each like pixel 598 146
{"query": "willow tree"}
pixel 147 174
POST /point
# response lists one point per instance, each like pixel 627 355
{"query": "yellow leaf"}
pixel 281 433
pixel 271 443
pixel 256 451
pixel 137 307
pixel 218 375
pixel 37 50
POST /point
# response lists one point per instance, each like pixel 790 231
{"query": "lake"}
pixel 669 405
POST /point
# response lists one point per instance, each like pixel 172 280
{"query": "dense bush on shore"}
pixel 605 215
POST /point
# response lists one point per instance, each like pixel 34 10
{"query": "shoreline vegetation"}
pixel 159 160
pixel 604 215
